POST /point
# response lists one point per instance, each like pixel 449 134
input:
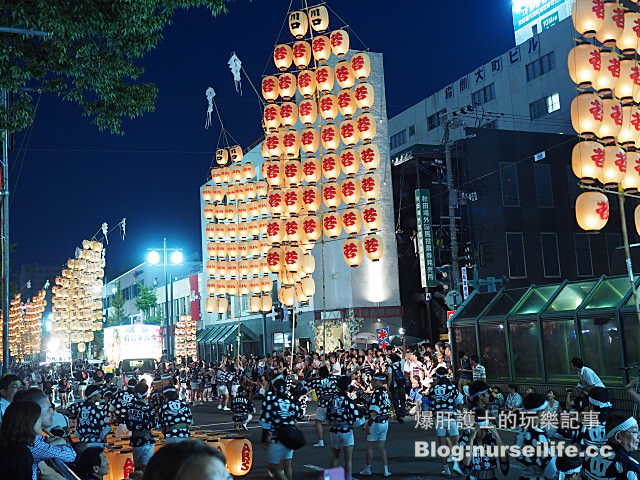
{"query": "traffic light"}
pixel 443 277
pixel 279 311
pixel 468 255
pixel 486 254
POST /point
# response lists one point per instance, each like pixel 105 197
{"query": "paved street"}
pixel 309 460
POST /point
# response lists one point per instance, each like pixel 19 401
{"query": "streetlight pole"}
pixel 166 299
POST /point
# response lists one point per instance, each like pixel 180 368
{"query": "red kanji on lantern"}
pixel 291 170
pixel 347 130
pixel 342 73
pixel 290 257
pixel 299 50
pixel 273 228
pixel 326 103
pixel 328 134
pixel 291 197
pixel 280 53
pixel 291 228
pixel 304 79
pixel 621 161
pixel 329 192
pixel 322 75
pixel 636 27
pixel 348 189
pixel 275 199
pixel 370 215
pixel 595 59
pixel 367 155
pixel 598 157
pixel 318 44
pixel 273 258
pixel 614 67
pixel 603 210
pixel 286 110
pixel 336 39
pixel 328 163
pixel 308 197
pixel 361 92
pixel 289 139
pixel 635 120
pixel 309 226
pixel 349 250
pixel 618 17
pixel 272 142
pixel 344 99
pixel 371 245
pixel 270 113
pixel 284 82
pixel 309 168
pixel 364 124
pixel 268 85
pixel 595 110
pixel 616 114
pixel 347 158
pixel 307 138
pixel 305 108
pixel 330 222
pixel 349 218
pixel 368 184
pixel 273 171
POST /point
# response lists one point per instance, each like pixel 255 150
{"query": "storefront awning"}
pixel 222 333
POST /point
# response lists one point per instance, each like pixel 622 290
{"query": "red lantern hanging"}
pixel 291 143
pixel 372 218
pixel 270 90
pixel 293 230
pixel 328 106
pixel 584 64
pixel 301 54
pixel 325 78
pixel 349 161
pixel 287 86
pixel 307 83
pixel 592 211
pixel 373 247
pixel 274 259
pixel 331 195
pixel 344 74
pixel 292 201
pixel 309 140
pixel 292 172
pixel 350 191
pixel 321 48
pixel 274 145
pixel 366 127
pixel 349 132
pixel 312 227
pixel 370 186
pixel 282 56
pixel 361 65
pixel 347 102
pixel 271 117
pixel 331 224
pixel 276 202
pixel 331 166
pixel 311 198
pixel 352 252
pixel 352 221
pixel 588 16
pixel 613 25
pixel 274 173
pixel 330 136
pixel 308 112
pixel 586 114
pixel 288 114
pixel 370 156
pixel 339 42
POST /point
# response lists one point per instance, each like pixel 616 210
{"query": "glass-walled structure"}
pixel 530 334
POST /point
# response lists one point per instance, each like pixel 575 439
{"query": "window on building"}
pixel 484 95
pixel 448 92
pixel 435 120
pixel 412 130
pixel 612 242
pixel 540 66
pixel 582 243
pixel 398 139
pixel 515 255
pixel 509 185
pixel 550 255
pixel 542 107
pixel 574 189
pixel 544 188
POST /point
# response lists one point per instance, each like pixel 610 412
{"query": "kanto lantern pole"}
pixel 5 241
pixel 627 252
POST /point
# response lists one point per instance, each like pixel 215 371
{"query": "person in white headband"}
pixel 622 439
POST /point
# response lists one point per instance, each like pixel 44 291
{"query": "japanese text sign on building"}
pixel 425 239
pixel 382 334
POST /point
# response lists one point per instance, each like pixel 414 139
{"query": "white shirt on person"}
pixel 589 378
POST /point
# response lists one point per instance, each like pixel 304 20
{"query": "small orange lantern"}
pixel 222 156
pixel 243 210
pixel 248 172
pixel 212 249
pixel 243 232
pixel 231 193
pixel 331 166
pixel 344 74
pixel 274 173
pixel 211 304
pixel 292 257
pixel 223 305
pixel 588 16
pixel 254 245
pixel 350 191
pixel 207 193
pixel 584 64
pixel 266 284
pixel 291 143
pixel 212 286
pixel 319 18
pixel 287 86
pixel 292 201
pixel 370 156
pixel 230 211
pixel 352 221
pixel 236 173
pixel 308 112
pixel 370 186
pixel 263 149
pixel 232 269
pixel 311 170
pixel 311 198
pixel 312 226
pixel 586 114
pixel 292 172
pixel 243 286
pixel 264 206
pixel 293 230
pixel 364 95
pixel 254 208
pixel 216 175
pixel 282 56
pixel 210 230
pixel 347 102
pixel 331 195
pixel 301 54
pixel 349 161
pixel 307 83
pixel 361 65
pixel 592 211
pixel 308 286
pixel 266 303
pixel 231 230
pixel 331 224
pixel 366 124
pixel 254 304
pixel 270 90
pixel 288 114
pixel 321 48
pixel 373 247
pixel 372 218
pixel 218 193
pixel 339 42
pixel 236 154
pixel 613 25
pixel 330 136
pixel 298 23
pixel 262 187
pixel 287 296
pixel 615 166
pixel 328 106
pixel 209 211
pixel 309 140
pixel 302 298
pixel 276 202
pixel 352 252
pixel 274 259
pixel 349 132
pixel 271 117
pixel 274 145
pixel 308 264
pixel 325 78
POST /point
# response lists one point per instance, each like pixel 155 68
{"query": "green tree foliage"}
pixel 146 299
pixel 92 55
pixel 117 315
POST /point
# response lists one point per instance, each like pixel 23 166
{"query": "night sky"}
pixel 67 177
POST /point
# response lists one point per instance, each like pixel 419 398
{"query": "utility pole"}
pixel 453 201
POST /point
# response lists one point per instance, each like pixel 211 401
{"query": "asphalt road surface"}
pixel 309 461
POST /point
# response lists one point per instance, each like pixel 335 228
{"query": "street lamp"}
pixel 154 258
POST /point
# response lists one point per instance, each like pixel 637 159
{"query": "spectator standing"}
pixel 464 368
pixel 18 431
pixel 588 377
pixel 479 372
pixel 514 399
pixel 378 425
pixel 397 388
pixel 9 385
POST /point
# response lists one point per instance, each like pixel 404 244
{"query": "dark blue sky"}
pixel 67 177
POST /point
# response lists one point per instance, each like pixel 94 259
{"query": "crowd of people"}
pixel 354 389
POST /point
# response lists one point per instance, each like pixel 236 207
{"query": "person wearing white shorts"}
pixel 378 424
pixel 223 377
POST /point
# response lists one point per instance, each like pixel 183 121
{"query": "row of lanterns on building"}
pixel 606 113
pixel 185 337
pixel 25 325
pixel 77 294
